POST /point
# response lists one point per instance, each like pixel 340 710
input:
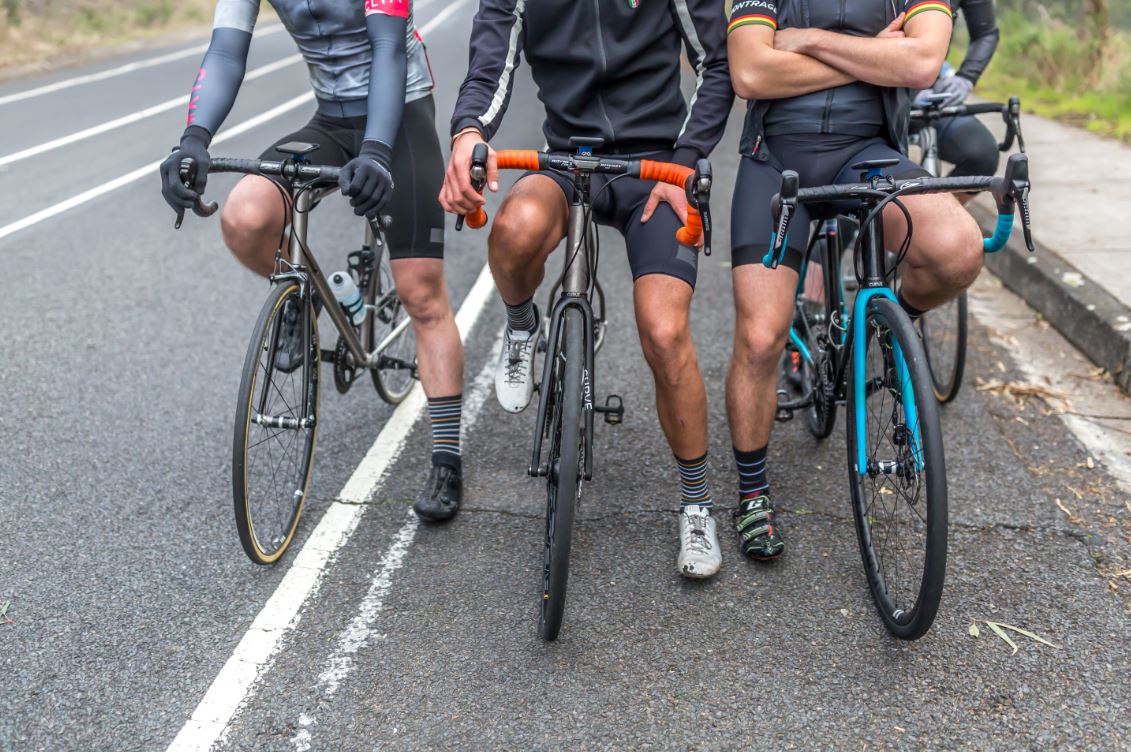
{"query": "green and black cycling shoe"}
pixel 759 535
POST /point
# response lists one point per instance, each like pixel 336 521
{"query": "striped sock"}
pixel 751 473
pixel 521 317
pixel 693 482
pixel 445 414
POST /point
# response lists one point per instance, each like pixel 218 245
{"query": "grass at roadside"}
pixel 36 32
pixel 1046 63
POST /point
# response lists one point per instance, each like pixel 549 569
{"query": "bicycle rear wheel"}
pixel 899 502
pixel 389 323
pixel 944 340
pixel 566 458
pixel 276 426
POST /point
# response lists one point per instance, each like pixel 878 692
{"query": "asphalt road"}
pixel 129 592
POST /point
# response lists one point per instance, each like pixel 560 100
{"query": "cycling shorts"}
pixel 652 247
pixel 821 160
pixel 418 172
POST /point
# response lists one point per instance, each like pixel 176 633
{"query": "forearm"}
pixel 905 62
pixel 387 76
pixel 218 81
pixel 774 74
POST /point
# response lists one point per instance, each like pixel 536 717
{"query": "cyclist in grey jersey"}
pixel 370 75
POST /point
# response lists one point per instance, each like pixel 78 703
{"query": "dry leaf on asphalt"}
pixel 974 631
pixel 1001 633
pixel 1027 633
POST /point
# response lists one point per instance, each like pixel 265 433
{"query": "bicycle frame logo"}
pixel 586 389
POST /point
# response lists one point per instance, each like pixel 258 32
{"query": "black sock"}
pixel 751 473
pixel 445 413
pixel 521 317
pixel 912 312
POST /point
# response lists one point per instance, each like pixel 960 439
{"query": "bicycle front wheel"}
pixel 944 340
pixel 389 326
pixel 566 457
pixel 276 424
pixel 899 496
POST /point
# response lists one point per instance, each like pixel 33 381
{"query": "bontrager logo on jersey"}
pixel 398 8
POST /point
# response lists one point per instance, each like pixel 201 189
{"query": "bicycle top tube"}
pixel 580 164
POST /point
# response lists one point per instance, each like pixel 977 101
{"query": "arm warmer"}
pixel 387 75
pixel 982 24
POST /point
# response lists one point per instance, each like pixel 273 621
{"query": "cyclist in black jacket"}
pixel 828 84
pixel 966 142
pixel 610 69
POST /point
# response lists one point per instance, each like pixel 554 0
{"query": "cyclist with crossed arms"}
pixel 829 86
pixel 609 69
pixel 375 118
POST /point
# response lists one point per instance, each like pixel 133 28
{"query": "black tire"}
pixel 905 558
pixel 944 340
pixel 565 468
pixel 393 382
pixel 267 513
pixel 818 377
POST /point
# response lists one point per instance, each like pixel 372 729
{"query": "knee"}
pixel 425 302
pixel 667 347
pixel 246 225
pixel 961 255
pixel 758 348
pixel 518 232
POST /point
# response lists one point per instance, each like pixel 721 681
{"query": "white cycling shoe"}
pixel 514 375
pixel 699 553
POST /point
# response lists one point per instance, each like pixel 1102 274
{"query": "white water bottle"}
pixel 348 296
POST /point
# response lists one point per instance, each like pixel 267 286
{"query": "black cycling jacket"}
pixel 608 68
pixel 981 22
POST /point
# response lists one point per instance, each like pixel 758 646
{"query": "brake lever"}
pixel 782 205
pixel 701 184
pixel 1013 192
pixel 478 174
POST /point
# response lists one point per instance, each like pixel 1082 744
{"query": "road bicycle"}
pixel 563 435
pixel 870 358
pixel 944 328
pixel 277 412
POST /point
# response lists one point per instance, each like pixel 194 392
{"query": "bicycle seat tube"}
pixel 872 244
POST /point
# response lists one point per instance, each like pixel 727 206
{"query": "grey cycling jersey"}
pixel 332 38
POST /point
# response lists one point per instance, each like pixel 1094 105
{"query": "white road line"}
pixel 134 117
pixel 146 170
pixel 236 682
pixel 357 633
pixel 123 69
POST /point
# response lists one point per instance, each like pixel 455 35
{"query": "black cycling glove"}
pixel 366 179
pixel 194 146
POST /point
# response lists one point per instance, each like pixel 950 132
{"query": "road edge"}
pixel 1088 316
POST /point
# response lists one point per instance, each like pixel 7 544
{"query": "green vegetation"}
pixel 35 31
pixel 1069 60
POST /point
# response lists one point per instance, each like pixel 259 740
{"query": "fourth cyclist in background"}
pixel 828 89
pixel 375 117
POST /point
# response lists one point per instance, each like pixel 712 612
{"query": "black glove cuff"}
pixel 196 133
pixel 379 152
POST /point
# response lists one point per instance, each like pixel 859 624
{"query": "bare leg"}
pixel 439 352
pixel 252 223
pixel 530 224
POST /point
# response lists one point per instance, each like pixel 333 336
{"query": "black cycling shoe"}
pixel 759 537
pixel 288 348
pixel 442 496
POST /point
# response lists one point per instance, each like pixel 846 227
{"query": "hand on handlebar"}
pixel 956 88
pixel 459 196
pixel 673 197
pixel 183 191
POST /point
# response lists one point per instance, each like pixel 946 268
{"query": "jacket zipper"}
pixel 604 68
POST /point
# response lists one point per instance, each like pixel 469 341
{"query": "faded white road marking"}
pixel 357 633
pixel 149 170
pixel 123 69
pixel 134 117
pixel 236 682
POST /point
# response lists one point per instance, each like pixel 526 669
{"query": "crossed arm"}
pixel 771 63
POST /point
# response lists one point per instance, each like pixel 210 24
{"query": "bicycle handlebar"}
pixel 1010 111
pixel 1010 191
pixel 695 182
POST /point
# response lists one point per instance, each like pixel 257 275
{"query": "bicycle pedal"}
pixel 783 416
pixel 613 410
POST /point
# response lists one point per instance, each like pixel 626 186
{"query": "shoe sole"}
pixel 696 575
pixel 430 518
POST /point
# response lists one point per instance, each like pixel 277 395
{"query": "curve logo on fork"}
pixel 586 389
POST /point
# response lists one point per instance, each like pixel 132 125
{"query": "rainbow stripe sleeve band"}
pixel 927 5
pixel 761 20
